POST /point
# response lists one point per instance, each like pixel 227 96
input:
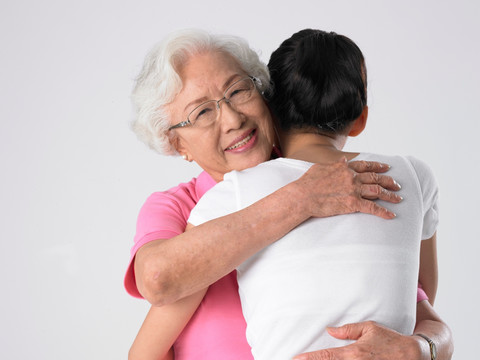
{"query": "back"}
pixel 332 271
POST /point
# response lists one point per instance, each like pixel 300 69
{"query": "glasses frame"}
pixel 189 123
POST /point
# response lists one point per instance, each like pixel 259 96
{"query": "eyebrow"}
pixel 203 99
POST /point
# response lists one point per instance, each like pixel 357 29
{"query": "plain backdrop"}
pixel 73 175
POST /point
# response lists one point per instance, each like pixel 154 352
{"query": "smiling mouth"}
pixel 242 142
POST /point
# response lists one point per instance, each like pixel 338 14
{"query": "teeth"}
pixel 241 143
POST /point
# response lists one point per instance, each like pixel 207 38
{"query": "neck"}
pixel 314 147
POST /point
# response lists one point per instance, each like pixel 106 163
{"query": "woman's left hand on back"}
pixel 373 342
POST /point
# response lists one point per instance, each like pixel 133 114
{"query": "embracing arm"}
pixel 374 341
pixel 169 269
pixel 430 324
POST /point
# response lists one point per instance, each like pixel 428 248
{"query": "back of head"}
pixel 319 81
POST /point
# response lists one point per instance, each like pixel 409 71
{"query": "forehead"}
pixel 207 71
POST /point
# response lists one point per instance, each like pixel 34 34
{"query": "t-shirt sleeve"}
pixel 421 294
pixel 219 201
pixel 162 216
pixel 429 189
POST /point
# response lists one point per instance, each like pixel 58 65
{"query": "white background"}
pixel 73 176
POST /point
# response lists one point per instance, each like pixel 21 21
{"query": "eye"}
pixel 202 113
pixel 240 92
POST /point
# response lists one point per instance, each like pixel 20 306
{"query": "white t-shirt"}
pixel 329 271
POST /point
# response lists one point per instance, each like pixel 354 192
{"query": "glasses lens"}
pixel 204 114
pixel 240 92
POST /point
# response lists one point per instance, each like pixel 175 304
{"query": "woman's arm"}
pixel 169 269
pixel 374 341
pixel 161 328
pixel 430 324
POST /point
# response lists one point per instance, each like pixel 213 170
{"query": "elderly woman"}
pixel 176 115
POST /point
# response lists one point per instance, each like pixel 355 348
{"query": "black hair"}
pixel 319 82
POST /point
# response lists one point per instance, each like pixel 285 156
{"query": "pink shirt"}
pixel 217 329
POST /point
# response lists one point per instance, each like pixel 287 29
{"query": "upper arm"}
pixel 428 274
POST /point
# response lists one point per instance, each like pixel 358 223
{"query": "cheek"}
pixel 265 121
pixel 267 129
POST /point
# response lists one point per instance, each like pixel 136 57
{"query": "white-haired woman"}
pixel 176 114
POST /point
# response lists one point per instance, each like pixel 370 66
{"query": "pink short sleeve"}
pixel 421 294
pixel 163 216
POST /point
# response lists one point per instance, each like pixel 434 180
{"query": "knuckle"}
pixel 372 325
pixel 371 206
pixel 323 355
pixel 382 179
pixel 374 177
pixel 390 194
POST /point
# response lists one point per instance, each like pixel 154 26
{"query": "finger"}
pixel 349 331
pixel 374 192
pixel 384 181
pixel 326 354
pixel 362 166
pixel 370 207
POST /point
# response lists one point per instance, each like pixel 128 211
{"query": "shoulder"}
pixel 176 198
pixel 406 170
pixel 171 208
pixel 421 168
pixel 184 195
pixel 400 164
pixel 273 170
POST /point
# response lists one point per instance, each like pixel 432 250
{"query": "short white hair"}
pixel 158 82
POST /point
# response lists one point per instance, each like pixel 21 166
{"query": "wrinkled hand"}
pixel 344 188
pixel 374 342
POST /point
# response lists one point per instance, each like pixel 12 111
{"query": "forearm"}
pixel 170 269
pixel 161 328
pixel 430 324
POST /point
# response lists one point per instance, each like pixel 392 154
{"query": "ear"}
pixel 177 143
pixel 359 123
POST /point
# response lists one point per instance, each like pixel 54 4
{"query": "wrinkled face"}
pixel 240 138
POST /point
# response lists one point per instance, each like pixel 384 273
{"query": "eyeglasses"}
pixel 239 93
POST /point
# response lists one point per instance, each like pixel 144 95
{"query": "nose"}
pixel 229 117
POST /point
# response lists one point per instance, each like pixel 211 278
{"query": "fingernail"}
pixel 392 214
pixel 396 183
pixel 300 357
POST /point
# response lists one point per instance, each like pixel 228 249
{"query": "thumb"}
pixel 349 331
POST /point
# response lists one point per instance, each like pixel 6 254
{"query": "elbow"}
pixel 156 284
pixel 132 355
